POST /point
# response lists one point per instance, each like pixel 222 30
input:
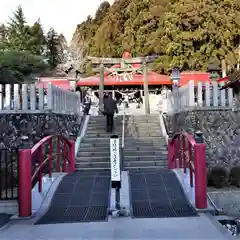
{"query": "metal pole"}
pixel 145 86
pixel 117 203
pixel 101 88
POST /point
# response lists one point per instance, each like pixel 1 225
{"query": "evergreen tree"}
pixel 197 32
pixel 184 33
pixel 18 32
pixel 17 66
pixel 37 42
pixel 53 44
pixel 3 33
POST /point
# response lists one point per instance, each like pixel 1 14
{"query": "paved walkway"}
pixel 201 227
pixel 122 228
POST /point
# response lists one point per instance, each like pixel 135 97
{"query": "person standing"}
pixel 110 107
pixel 87 105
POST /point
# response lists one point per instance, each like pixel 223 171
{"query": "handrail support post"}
pixel 25 183
pixel 71 157
pixel 171 154
pixel 200 176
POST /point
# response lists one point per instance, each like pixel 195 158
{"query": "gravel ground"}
pixel 227 199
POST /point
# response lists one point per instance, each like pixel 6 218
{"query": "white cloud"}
pixel 63 15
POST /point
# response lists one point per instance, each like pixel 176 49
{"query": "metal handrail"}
pixel 123 125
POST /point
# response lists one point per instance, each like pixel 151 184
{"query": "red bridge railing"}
pixel 186 152
pixel 52 153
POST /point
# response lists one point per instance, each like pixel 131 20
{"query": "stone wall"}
pixel 221 132
pixel 36 126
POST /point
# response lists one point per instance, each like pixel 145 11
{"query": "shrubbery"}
pixel 220 176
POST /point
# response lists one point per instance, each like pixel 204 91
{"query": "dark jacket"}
pixel 110 106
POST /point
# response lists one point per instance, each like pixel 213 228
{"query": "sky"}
pixel 62 15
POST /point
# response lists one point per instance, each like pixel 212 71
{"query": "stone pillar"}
pixel 146 94
pixel 113 94
pixel 101 88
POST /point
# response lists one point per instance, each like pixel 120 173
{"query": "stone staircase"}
pixel 144 147
pixel 94 151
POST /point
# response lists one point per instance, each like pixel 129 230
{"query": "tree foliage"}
pixel 52 48
pixel 184 33
pixel 25 50
pixel 19 66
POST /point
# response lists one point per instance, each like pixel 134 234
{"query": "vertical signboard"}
pixel 115 162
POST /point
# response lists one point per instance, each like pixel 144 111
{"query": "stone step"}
pixel 147 139
pixel 141 126
pixel 127 149
pixel 106 153
pixel 146 158
pixel 140 164
pixel 85 165
pixel 95 144
pixel 90 159
pixel 142 123
pixel 105 165
pixel 128 142
pixel 99 135
pixel 92 149
pixel 142 118
pixel 145 134
pixel 144 167
pixel 102 138
pixel 149 149
pixel 142 153
pixel 103 122
pixel 144 142
pixel 91 168
pixel 128 139
pixel 93 159
pixel 127 121
pixel 133 164
pixel 102 129
pixel 156 131
pixel 82 154
pixel 101 144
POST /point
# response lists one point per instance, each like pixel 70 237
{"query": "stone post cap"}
pixel 170 134
pixel 24 138
pixel 25 142
pixel 198 136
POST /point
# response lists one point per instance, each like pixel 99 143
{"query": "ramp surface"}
pixel 158 194
pixel 4 219
pixel 81 197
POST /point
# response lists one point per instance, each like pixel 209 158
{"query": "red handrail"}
pixel 27 175
pixel 183 152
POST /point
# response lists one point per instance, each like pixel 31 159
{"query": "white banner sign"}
pixel 115 159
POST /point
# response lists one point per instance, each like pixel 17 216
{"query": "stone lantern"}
pixel 214 71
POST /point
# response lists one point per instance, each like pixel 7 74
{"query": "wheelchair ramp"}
pixel 158 194
pixel 81 197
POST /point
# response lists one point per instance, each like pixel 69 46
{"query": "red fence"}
pixel 51 153
pixel 186 152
